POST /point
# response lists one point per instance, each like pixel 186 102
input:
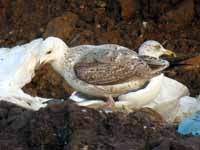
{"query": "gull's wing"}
pixel 107 66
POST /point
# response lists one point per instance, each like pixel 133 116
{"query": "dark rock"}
pixel 62 27
pixel 179 16
pixel 48 83
pixel 74 127
pixel 128 8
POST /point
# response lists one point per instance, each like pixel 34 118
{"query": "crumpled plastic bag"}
pixel 167 96
pixel 190 125
pixel 138 99
pixel 185 107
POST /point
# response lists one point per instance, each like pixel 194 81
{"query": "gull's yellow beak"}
pixel 43 61
pixel 169 53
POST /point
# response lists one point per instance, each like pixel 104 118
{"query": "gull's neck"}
pixel 58 63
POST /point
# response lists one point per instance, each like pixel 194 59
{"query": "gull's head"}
pixel 154 49
pixel 52 48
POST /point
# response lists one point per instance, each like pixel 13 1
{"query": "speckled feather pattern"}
pixel 119 69
pixel 110 67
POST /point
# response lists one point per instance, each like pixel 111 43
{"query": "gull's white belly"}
pixel 107 90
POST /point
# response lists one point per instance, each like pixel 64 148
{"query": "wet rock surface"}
pixel 174 23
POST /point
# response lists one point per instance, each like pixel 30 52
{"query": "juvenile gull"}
pixel 107 70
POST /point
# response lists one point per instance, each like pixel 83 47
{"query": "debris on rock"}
pixel 190 125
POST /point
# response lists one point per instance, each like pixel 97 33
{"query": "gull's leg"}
pixel 110 104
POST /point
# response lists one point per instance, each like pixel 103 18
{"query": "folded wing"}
pixel 105 66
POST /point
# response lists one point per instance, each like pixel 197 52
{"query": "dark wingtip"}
pixel 180 60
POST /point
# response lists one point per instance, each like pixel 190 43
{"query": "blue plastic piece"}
pixel 190 125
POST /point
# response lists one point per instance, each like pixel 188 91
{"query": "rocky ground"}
pixel 175 23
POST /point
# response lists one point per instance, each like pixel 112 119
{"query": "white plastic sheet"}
pixel 168 97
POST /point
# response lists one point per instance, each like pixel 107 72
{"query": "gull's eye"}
pixel 48 52
pixel 157 46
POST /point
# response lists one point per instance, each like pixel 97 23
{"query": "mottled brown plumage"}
pixel 111 67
